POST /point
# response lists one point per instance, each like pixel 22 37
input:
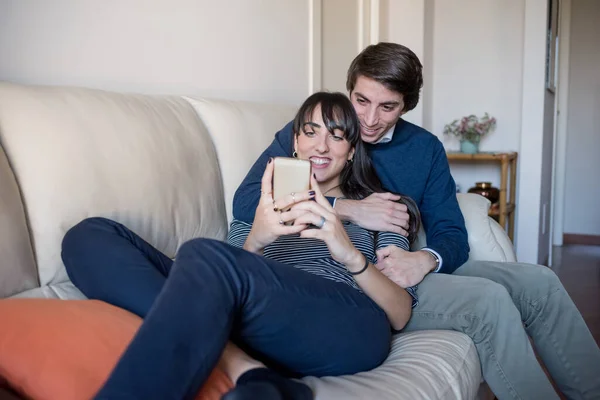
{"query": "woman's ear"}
pixel 295 143
pixel 351 154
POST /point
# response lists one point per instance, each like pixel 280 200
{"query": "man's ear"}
pixel 295 143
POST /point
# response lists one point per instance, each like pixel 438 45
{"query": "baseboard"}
pixel 574 238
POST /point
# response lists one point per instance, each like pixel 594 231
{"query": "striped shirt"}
pixel 312 255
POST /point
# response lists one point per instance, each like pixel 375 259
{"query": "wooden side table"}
pixel 506 207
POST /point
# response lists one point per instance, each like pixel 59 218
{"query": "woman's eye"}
pixel 309 133
pixel 336 138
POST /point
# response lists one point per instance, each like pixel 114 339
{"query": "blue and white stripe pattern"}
pixel 312 255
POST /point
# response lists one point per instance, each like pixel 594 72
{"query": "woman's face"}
pixel 327 152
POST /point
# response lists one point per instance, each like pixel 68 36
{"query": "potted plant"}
pixel 469 130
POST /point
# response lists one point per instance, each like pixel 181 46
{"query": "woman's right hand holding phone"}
pixel 269 220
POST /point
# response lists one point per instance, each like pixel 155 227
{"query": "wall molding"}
pixel 362 23
pixel 575 238
pixel 368 23
pixel 315 58
pixel 374 24
pixel 527 230
pixel 560 134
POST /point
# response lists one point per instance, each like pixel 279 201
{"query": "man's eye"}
pixel 360 101
pixel 309 133
pixel 388 108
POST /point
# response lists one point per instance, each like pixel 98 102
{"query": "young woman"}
pixel 305 299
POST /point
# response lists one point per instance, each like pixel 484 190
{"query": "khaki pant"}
pixel 500 305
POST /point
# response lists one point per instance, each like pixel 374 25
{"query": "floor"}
pixel 578 268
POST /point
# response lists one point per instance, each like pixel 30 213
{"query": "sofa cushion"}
pixel 487 240
pixel 55 349
pixel 485 243
pixel 422 365
pixel 62 290
pixel 241 131
pixel 17 266
pixel 504 242
pixel 144 161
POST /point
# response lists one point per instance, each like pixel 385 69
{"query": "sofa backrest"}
pixel 240 131
pixel 167 167
pixel 145 161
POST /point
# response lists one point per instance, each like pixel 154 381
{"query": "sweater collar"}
pixel 389 135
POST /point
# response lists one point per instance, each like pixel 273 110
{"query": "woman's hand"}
pixel 330 229
pixel 393 300
pixel 269 220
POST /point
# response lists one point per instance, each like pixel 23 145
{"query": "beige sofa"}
pixel 168 167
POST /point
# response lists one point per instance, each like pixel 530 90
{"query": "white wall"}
pixel 582 191
pixel 472 59
pixel 477 68
pixel 478 55
pixel 487 55
pixel 235 49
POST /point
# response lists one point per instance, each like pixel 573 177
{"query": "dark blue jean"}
pixel 293 320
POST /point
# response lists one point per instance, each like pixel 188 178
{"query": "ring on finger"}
pixel 293 196
pixel 275 208
pixel 281 221
pixel 321 222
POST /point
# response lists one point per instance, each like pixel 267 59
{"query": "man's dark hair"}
pixel 394 66
pixel 358 179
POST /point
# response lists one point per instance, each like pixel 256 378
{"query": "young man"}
pixel 499 305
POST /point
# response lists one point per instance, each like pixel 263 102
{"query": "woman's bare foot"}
pixel 234 362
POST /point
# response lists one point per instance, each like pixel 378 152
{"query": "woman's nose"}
pixel 322 145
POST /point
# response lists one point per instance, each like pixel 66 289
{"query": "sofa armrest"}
pixel 487 240
pixel 503 241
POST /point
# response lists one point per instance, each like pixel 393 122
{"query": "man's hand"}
pixel 403 267
pixel 377 212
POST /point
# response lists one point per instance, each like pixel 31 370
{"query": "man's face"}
pixel 378 108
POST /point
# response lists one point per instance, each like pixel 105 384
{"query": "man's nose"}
pixel 371 117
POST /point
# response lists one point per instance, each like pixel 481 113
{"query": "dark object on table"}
pixel 486 190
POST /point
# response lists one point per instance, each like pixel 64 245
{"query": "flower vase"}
pixel 469 147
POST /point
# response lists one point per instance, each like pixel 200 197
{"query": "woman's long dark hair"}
pixel 358 179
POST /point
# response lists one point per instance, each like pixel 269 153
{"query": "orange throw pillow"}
pixel 65 349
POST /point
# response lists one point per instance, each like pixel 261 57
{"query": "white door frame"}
pixel 560 132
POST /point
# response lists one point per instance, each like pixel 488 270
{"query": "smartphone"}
pixel 290 175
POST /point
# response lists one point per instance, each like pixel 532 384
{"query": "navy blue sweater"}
pixel 414 163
